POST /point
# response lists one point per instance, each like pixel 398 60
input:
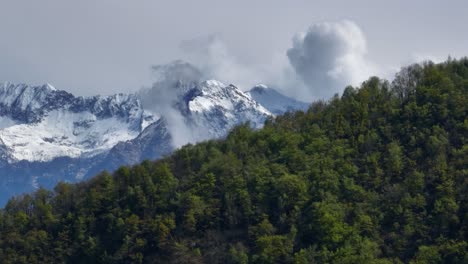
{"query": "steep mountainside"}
pixel 376 175
pixel 48 135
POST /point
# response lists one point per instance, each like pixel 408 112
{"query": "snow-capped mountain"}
pixel 49 135
pixel 42 123
pixel 152 143
pixel 274 101
pixel 199 111
pixel 219 107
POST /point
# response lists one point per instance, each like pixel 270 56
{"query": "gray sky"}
pixel 107 46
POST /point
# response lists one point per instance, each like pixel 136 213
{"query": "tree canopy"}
pixel 377 175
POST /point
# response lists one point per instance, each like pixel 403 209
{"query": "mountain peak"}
pixel 274 101
pixel 49 87
pixel 40 125
pixel 260 88
pixel 212 83
pixel 218 107
pixel 20 86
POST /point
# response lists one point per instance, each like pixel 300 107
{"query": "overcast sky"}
pixel 107 46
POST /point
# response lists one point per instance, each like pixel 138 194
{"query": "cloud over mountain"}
pixel 329 56
pixel 321 61
pixel 212 56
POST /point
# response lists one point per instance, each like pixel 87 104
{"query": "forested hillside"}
pixel 377 175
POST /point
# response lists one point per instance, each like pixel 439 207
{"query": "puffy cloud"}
pixel 176 71
pixel 328 57
pixel 320 63
pixel 211 54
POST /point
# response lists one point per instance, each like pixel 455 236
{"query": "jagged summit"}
pixel 30 104
pixel 219 107
pixel 40 123
pixel 50 86
pixel 49 135
pixel 274 101
pixel 213 93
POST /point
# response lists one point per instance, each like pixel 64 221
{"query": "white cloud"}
pixel 211 54
pixel 328 57
pixel 321 62
pixel 170 82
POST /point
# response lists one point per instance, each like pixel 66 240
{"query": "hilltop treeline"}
pixel 378 175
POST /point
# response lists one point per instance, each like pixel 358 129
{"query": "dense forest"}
pixel 376 175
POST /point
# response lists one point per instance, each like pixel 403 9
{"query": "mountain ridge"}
pixel 376 175
pixel 79 136
pixel 276 102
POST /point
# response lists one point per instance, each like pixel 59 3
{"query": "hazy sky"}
pixel 107 46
